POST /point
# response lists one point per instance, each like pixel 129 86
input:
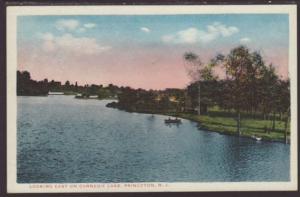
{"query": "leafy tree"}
pixel 268 93
pixel 238 64
pixel 28 87
pixel 103 93
pixel 198 73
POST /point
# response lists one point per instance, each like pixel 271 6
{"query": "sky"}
pixel 142 51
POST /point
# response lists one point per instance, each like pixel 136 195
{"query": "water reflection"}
pixel 177 124
pixel 62 139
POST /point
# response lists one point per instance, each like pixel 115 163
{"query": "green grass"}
pixel 227 125
pixel 224 122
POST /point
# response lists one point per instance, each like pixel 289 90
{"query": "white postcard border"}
pixel 14 11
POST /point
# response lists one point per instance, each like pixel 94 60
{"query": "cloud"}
pixel 89 25
pixel 73 25
pixel 145 29
pixel 245 40
pixel 81 30
pixel 48 41
pixel 67 43
pixel 67 24
pixel 193 35
pixel 47 36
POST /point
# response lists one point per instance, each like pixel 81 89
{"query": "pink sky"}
pixel 142 51
pixel 135 66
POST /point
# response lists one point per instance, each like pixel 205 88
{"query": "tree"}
pixel 286 125
pixel 76 86
pixel 25 75
pixel 194 71
pixel 269 93
pixel 237 64
pixel 103 93
pixel 255 73
pixel 28 87
pixel 67 83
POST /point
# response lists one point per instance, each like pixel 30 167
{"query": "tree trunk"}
pixel 273 123
pixel 265 127
pixel 199 99
pixel 269 128
pixel 280 116
pixel 239 123
pixel 286 129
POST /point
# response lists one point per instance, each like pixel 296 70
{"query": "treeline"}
pixel 256 103
pixel 250 85
pixel 150 101
pixel 250 88
pixel 29 87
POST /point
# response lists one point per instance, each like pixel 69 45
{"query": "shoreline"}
pixel 222 132
pixel 190 117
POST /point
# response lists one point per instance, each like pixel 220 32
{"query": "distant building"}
pixel 55 93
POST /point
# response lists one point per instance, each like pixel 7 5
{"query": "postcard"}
pixel 151 98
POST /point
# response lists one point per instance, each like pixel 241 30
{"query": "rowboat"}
pixel 169 121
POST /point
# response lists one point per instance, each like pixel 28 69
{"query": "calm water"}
pixel 62 139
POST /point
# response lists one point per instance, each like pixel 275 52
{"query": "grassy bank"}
pixel 227 125
pixel 224 122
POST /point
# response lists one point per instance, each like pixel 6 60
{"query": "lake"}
pixel 65 140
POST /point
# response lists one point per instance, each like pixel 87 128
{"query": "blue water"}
pixel 67 140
